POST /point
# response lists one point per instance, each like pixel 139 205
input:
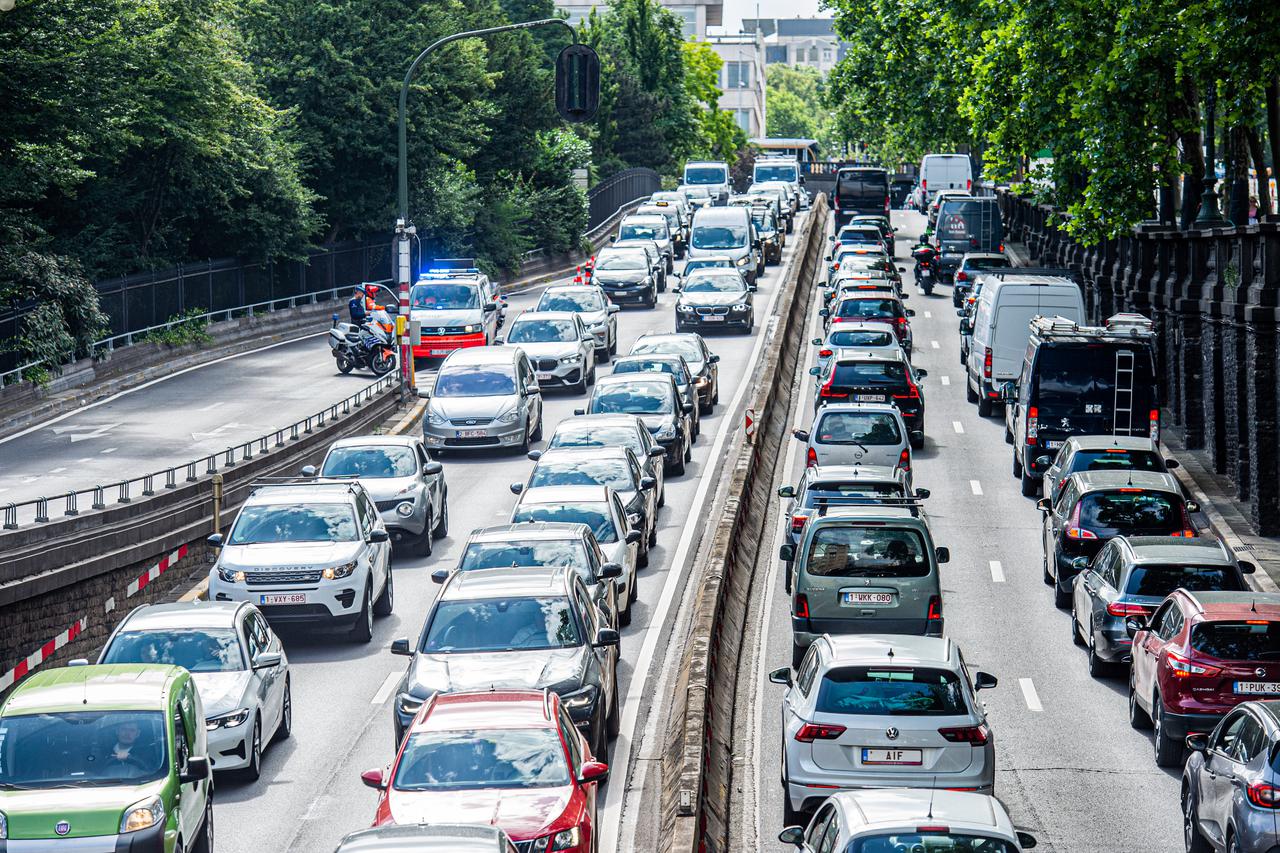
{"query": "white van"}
pixel 712 176
pixel 1001 325
pixel 945 172
pixel 730 232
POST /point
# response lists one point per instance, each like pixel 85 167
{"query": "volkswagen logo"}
pixel 440 331
pixel 471 421
pixel 891 733
pixel 62 827
pixel 1260 672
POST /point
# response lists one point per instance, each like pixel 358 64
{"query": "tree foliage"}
pixel 797 106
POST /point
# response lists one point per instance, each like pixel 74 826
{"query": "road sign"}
pixel 749 424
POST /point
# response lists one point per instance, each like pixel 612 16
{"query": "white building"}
pixel 742 79
pixel 799 41
pixel 697 15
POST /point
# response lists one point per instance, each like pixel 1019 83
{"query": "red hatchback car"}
pixel 511 758
pixel 1201 654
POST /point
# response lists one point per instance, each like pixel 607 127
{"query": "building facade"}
pixel 696 15
pixel 808 42
pixel 742 79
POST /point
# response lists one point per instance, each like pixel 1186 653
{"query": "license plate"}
pixel 469 433
pixel 853 599
pixel 543 377
pixel 1052 445
pixel 441 351
pixel 284 598
pixel 869 398
pixel 899 757
pixel 1257 687
pixel 713 318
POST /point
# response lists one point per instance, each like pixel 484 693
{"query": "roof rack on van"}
pixel 1118 327
pixel 1030 272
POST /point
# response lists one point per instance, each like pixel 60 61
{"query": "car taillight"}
pixel 975 735
pixel 968 185
pixel 810 458
pixel 810 732
pixel 935 608
pixel 913 392
pixel 1033 424
pixel 797 522
pixel 962 276
pixel 1154 417
pixel 904 459
pixel 1183 667
pixel 1264 796
pixel 986 364
pixel 829 394
pixel 900 326
pixel 825 353
pixel 924 185
pixel 1075 531
pixel 886 203
pixel 1117 608
pixel 800 607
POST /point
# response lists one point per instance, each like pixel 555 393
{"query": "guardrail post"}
pixel 123 494
pixel 148 485
pixel 279 438
pixel 293 432
pixel 42 509
pixel 71 505
pixel 307 427
pixel 99 500
pixel 213 464
pixel 170 479
pixel 230 459
pixel 11 517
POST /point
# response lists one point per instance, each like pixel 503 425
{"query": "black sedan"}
pixel 715 299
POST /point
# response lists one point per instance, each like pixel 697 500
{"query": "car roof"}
pixel 859 326
pixel 563 494
pixel 183 615
pixel 1177 549
pixel 1237 605
pixel 506 582
pixel 531 530
pixel 649 356
pixel 846 354
pixel 1271 707
pixel 316 492
pixel 628 378
pixel 376 441
pixel 701 258
pixel 492 709
pixel 584 453
pixel 601 419
pixel 854 649
pixel 1096 481
pixel 667 336
pixel 856 512
pixel 571 288
pixel 826 473
pixel 958 810
pixel 480 355
pixel 983 256
pixel 831 408
pixel 424 838
pixel 546 315
pixel 1102 442
pixel 645 217
pixel 113 686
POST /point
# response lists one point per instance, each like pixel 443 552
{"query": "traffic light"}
pixel 577 83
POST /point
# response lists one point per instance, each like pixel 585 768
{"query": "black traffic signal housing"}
pixel 577 83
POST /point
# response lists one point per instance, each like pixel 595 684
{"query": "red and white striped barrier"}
pixel 156 571
pixel 41 654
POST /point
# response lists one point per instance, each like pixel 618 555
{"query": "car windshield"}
pixel 860 235
pixel 941 841
pixel 1115 459
pixel 1078 382
pixel 584 299
pixel 474 380
pixel 719 236
pixel 541 331
pixel 687 347
pixel 712 282
pixel 263 523
pixel 195 650
pixel 890 374
pixel 780 172
pixel 891 691
pixel 612 472
pixel 867 552
pixel 539 552
pixel 623 261
pixel 370 462
pixel 862 338
pixel 641 231
pixel 643 365
pixel 502 624
pixel 1133 512
pixel 1158 581
pixel 1254 639
pixel 858 428
pixel 591 513
pixel 885 309
pixel 77 749
pixel 469 759
pixel 632 398
pixel 706 175
pixel 572 435
pixel 444 297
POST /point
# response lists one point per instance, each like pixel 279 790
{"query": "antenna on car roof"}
pixel 891 651
pixel 1253 605
pixel 932 790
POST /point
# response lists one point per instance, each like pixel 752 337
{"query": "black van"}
pixel 966 225
pixel 860 190
pixel 1080 380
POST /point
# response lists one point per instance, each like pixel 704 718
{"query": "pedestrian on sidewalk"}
pixel 1253 210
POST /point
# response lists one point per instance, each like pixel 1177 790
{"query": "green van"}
pixel 105 759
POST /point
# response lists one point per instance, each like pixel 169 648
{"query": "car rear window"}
pixel 883 309
pixel 1115 459
pixel 888 373
pixel 865 428
pixel 986 263
pixel 570 434
pixel 1080 379
pixel 593 515
pixel 1135 512
pixel 934 841
pixel 1160 580
pixel 1254 639
pixel 891 691
pixel 867 552
pixel 475 381
pixel 862 338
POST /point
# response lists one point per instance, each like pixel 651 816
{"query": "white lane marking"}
pixel 935 345
pixel 958 427
pixel 217 433
pixel 384 691
pixel 26 480
pixel 928 315
pixel 84 459
pixel 57 470
pixel 1029 695
pixel 109 450
pixel 4 490
pixel 84 433
pixel 209 407
pixel 946 380
pixel 997 571
pixel 975 487
pixel 620 767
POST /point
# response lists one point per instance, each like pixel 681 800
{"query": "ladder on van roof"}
pixel 1122 423
pixel 986 223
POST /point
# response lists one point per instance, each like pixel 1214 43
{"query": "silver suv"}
pixel 597 313
pixel 560 348
pixel 310 551
pixel 483 397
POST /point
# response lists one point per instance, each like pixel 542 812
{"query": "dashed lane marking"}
pixel 958 427
pixel 928 315
pixel 1029 695
pixel 975 487
pixel 57 470
pixel 997 572
pixel 935 344
pixel 946 380
pixel 384 692
pixel 110 450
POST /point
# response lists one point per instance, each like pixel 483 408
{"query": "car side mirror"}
pixel 1025 839
pixel 497 342
pixel 376 536
pixel 1043 461
pixel 647 483
pixel 614 309
pixel 675 288
pixel 440 576
pixel 984 681
pixel 516 488
pixel 1171 464
pixel 917 435
pixel 1133 625
pixel 814 371
pixel 686 407
pixel 214 540
pixel 587 339
pixel 655 452
pixel 787 552
pixel 1193 506
pixel 781 676
pixel 787 492
pixel 308 471
pixel 826 257
pixel 267 660
pixel 633 536
pixel 753 287
pixel 800 434
pixel 714 359
pixel 400 646
pixel 491 306
pixel 921 372
pixel 824 312
pixel 1044 505
pixel 817 342
pixel 1247 568
pixel 594 771
pixel 792 835
pixel 197 769
pixel 606 637
pixel 942 554
pixel 609 570
pixel 432 468
pixel 1198 742
pixel 373 779
pixel 910 312
pixel 831 238
pixel 579 411
pixel 923 493
pixel 535 455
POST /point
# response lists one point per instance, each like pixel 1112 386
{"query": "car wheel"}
pixel 254 770
pixel 599 740
pixel 1168 750
pixel 917 443
pixel 1061 600
pixel 1098 667
pixel 1138 718
pixel 285 729
pixel 662 496
pixel 969 393
pixel 422 545
pixel 1017 465
pixel 1191 837
pixel 688 450
pixel 536 435
pixel 1044 568
pixel 677 467
pixel 442 523
pixel 204 843
pixel 643 560
pixel 653 534
pixel 624 614
pixel 614 723
pixel 1232 846
pixel 1008 436
pixel 523 448
pixel 984 406
pixel 580 387
pixel 387 601
pixel 1075 627
pixel 362 631
pixel 704 406
pixel 613 346
pixel 715 392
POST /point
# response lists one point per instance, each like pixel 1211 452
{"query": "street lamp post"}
pixel 1208 217
pixel 404 229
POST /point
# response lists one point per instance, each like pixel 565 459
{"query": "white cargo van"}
pixel 712 176
pixel 1001 325
pixel 945 172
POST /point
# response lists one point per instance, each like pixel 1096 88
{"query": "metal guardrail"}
pixel 609 196
pixel 124 491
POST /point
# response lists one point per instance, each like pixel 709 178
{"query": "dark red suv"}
pixel 1201 654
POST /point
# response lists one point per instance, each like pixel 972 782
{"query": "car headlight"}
pixel 408 703
pixel 580 699
pixel 576 358
pixel 741 306
pixel 144 815
pixel 742 261
pixel 635 518
pixel 667 431
pixel 230 575
pixel 404 509
pixel 508 417
pixel 684 309
pixel 345 570
pixel 565 839
pixel 227 721
pixel 436 419
pixel 471 329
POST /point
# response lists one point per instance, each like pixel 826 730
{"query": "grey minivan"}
pixel 483 397
pixel 865 570
pixel 728 231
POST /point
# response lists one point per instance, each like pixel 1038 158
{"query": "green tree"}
pixel 798 107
